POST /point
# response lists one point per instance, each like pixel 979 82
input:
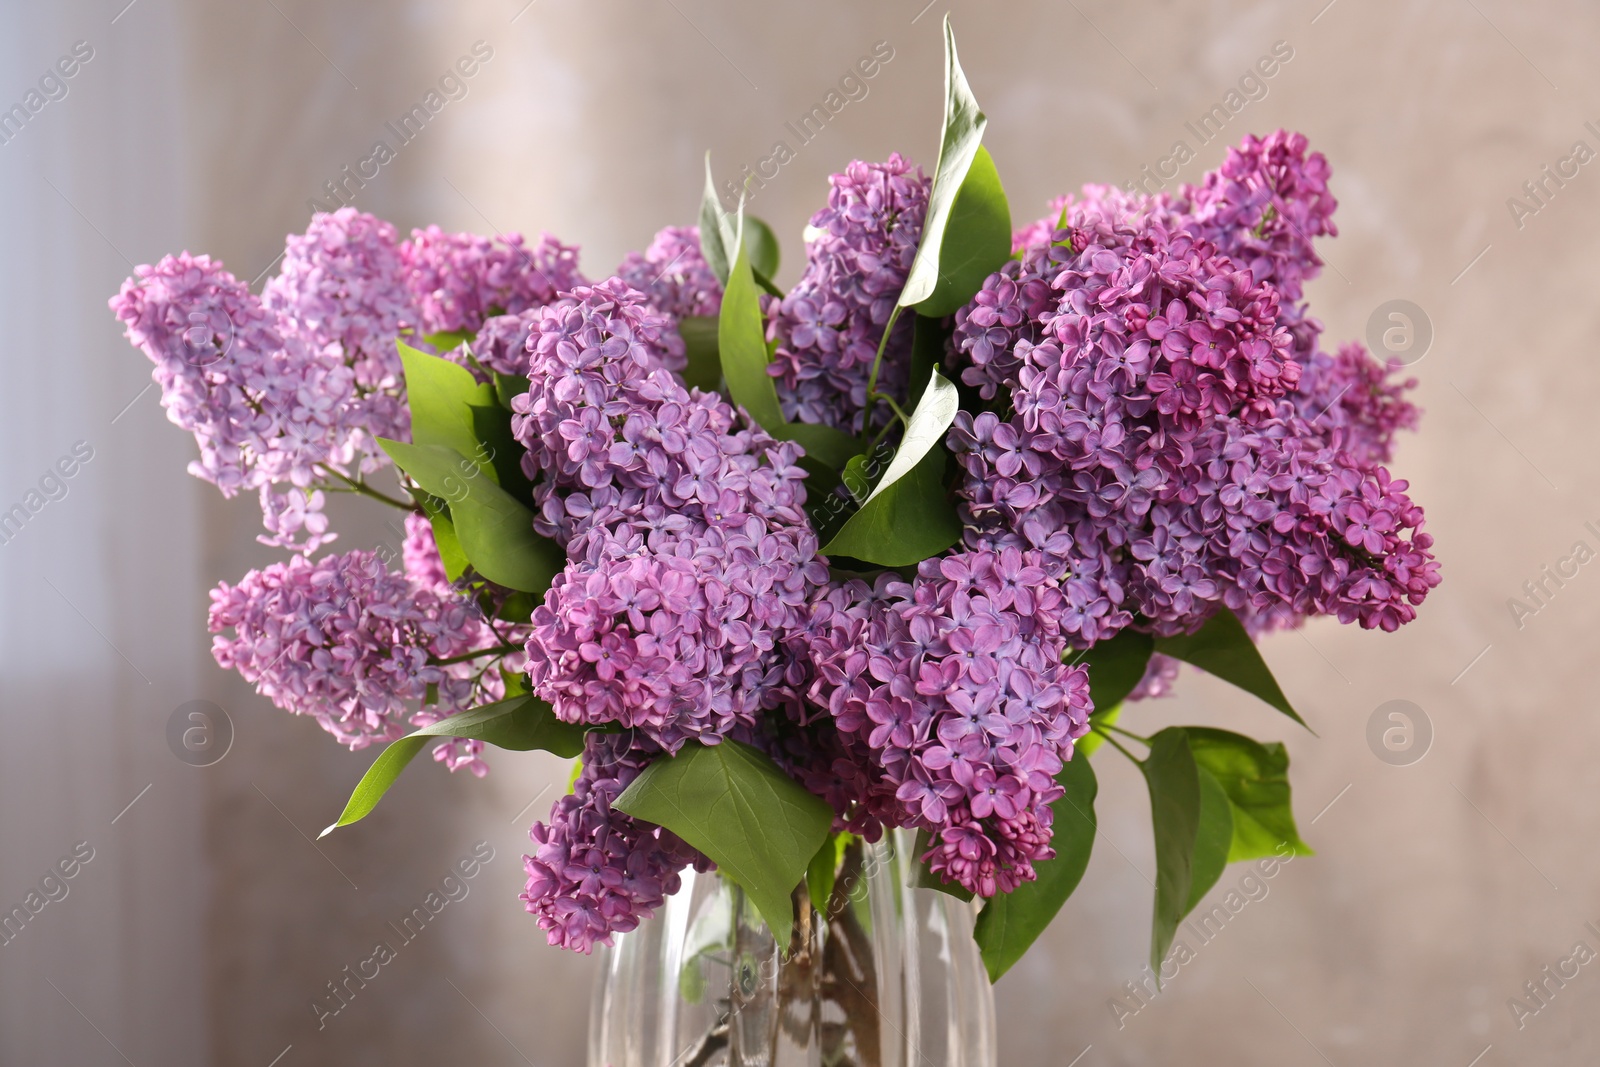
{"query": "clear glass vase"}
pixel 884 975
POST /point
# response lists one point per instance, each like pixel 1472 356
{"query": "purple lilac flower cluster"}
pixel 689 553
pixel 673 274
pixel 596 872
pixel 343 282
pixel 828 327
pixel 350 643
pixel 954 709
pixel 1153 440
pixel 266 404
pixel 459 280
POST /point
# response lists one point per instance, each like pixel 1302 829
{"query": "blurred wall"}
pixel 1442 885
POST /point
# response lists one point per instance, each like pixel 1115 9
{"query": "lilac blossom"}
pixel 595 871
pixel 954 710
pixel 673 274
pixel 351 644
pixel 829 325
pixel 459 280
pixel 343 282
pixel 266 404
pixel 690 557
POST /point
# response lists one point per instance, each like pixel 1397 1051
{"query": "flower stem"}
pixel 1112 741
pixel 877 363
pixel 1125 733
pixel 465 656
pixel 366 490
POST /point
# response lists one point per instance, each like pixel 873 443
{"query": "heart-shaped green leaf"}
pixel 908 515
pixel 734 804
pixel 521 723
pixel 495 530
pixel 1223 648
pixel 1255 777
pixel 441 395
pixel 1011 922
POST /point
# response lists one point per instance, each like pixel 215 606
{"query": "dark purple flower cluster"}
pixel 673 274
pixel 954 710
pixel 1151 433
pixel 596 872
pixel 690 557
pixel 858 254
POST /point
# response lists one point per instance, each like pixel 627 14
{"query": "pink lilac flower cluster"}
pixel 351 644
pixel 343 282
pixel 954 710
pixel 596 872
pixel 266 403
pixel 828 327
pixel 1150 443
pixel 690 556
pixel 460 280
pixel 673 274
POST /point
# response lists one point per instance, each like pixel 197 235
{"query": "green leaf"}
pixel 925 431
pixel 959 144
pixel 730 801
pixel 911 521
pixel 928 337
pixel 908 515
pixel 717 237
pixel 446 340
pixel 441 395
pixel 742 344
pixel 1223 648
pixel 1212 840
pixel 1011 922
pixel 764 253
pixel 491 423
pixel 1255 777
pixel 444 536
pixel 699 333
pixel 508 387
pixel 521 723
pixel 1115 666
pixel 823 871
pixel 977 239
pixel 1174 783
pixel 495 530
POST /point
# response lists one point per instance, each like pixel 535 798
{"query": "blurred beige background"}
pixel 207 921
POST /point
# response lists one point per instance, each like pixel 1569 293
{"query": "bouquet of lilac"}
pixel 890 549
